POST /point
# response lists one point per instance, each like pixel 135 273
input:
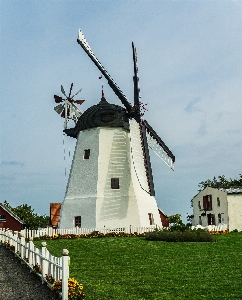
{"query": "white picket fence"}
pixel 58 267
pixel 77 230
pixel 218 228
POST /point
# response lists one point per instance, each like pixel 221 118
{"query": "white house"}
pixel 214 206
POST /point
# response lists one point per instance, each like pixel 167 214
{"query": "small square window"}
pixel 2 218
pixel 86 153
pixel 114 183
pixel 78 221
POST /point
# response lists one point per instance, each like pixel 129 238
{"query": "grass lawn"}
pixel 133 268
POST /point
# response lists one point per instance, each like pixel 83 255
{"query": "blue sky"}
pixel 190 68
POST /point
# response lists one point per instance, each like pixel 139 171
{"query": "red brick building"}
pixel 9 220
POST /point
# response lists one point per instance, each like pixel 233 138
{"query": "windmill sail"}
pixel 84 44
pixel 153 140
pixel 158 146
pixel 146 155
pixel 136 86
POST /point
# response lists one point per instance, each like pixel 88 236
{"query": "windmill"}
pixel 67 109
pixel 111 182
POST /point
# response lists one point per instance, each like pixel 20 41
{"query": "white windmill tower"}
pixel 111 182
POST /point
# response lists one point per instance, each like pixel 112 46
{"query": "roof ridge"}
pixel 11 213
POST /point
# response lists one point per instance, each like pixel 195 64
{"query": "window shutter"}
pixel 213 219
pixel 209 219
pixel 210 203
pixel 205 202
pixel 219 218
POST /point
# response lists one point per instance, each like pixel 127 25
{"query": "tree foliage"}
pixel 28 216
pixel 221 182
pixel 174 218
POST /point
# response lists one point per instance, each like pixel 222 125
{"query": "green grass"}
pixel 133 268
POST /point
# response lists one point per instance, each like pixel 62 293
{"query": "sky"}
pixel 190 69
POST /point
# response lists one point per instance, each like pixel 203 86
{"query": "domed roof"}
pixel 103 114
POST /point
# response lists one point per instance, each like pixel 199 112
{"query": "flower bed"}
pixel 75 289
pixel 94 234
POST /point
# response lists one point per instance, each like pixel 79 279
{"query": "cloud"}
pixel 3 178
pixel 11 163
pixel 202 131
pixel 191 106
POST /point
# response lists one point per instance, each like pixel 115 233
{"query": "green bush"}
pixel 180 236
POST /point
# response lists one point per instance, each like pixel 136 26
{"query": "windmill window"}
pixel 115 183
pixel 78 221
pixel 218 201
pixel 200 220
pixel 2 218
pixel 151 218
pixel 199 204
pixel 86 153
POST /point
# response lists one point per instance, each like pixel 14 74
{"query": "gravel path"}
pixel 16 281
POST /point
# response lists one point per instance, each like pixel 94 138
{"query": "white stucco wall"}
pixel 222 209
pixel 81 191
pixel 235 211
pixel 146 203
pixel 114 153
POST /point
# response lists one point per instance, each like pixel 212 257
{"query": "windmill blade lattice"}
pixel 158 146
pixel 67 109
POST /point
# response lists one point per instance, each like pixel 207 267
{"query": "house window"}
pixel 219 218
pixel 114 183
pixel 207 202
pixel 218 201
pixel 199 204
pixel 151 218
pixel 200 220
pixel 2 218
pixel 86 154
pixel 211 219
pixel 78 221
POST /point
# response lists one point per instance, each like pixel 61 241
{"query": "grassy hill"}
pixel 133 268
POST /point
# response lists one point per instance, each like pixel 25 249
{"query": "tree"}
pixel 176 219
pixel 220 182
pixel 176 223
pixel 28 216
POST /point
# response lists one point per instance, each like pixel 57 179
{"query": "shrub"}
pixel 180 236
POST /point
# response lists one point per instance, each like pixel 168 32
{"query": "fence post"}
pixel 15 241
pixel 31 247
pixel 65 273
pixel 22 245
pixel 44 262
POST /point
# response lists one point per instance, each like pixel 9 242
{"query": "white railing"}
pixel 51 232
pixel 39 260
